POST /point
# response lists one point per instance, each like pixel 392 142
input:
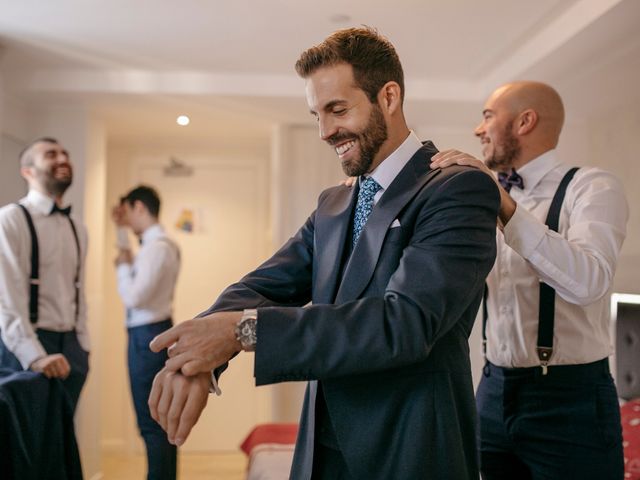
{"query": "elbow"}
pixel 590 297
pixel 593 289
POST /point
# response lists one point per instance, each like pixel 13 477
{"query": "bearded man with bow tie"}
pixel 547 403
pixel 43 314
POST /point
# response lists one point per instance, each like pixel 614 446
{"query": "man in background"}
pixel 43 314
pixel 146 284
pixel 547 403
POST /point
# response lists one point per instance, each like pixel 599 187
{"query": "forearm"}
pixel 19 337
pixel 580 267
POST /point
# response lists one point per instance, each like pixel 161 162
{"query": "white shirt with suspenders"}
pixel 578 263
pixel 61 305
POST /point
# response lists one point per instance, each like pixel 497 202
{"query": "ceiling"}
pixel 229 65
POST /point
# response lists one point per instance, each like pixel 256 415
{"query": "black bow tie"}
pixel 508 180
pixel 64 211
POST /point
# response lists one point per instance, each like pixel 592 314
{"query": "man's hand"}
pixel 124 256
pixel 118 215
pixel 349 181
pixel 176 402
pixel 450 157
pixel 201 344
pixel 52 366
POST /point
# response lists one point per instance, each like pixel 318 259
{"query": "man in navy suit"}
pixel 394 268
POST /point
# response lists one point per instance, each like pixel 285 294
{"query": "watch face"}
pixel 246 333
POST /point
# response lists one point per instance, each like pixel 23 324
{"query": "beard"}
pixel 52 184
pixel 510 149
pixel 370 139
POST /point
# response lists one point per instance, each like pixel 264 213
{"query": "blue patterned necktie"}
pixel 508 180
pixel 368 189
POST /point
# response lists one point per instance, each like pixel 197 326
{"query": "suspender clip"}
pixel 544 354
pixel 34 281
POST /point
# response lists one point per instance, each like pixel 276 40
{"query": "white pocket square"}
pixel 395 224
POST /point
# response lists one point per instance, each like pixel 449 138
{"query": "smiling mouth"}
pixel 62 171
pixel 345 147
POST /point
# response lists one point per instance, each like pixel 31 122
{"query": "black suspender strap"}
pixel 76 281
pixel 546 313
pixel 34 278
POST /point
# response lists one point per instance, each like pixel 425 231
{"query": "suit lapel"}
pixel 331 230
pixel 364 258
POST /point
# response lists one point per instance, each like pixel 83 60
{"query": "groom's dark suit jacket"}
pixel 387 333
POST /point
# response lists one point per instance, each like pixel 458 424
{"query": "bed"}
pixel 269 448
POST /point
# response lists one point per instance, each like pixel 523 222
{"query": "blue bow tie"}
pixel 64 211
pixel 508 180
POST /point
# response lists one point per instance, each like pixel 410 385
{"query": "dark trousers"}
pixel 563 425
pixel 143 367
pixel 65 343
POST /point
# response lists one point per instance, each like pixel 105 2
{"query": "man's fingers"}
pixel 165 339
pixel 164 402
pixel 64 368
pixel 193 367
pixel 155 394
pixel 196 401
pixel 174 413
pixel 175 363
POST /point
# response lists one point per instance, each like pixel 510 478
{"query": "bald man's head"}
pixel 521 121
pixel 537 96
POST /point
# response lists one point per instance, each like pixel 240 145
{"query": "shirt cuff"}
pixel 122 239
pixel 524 232
pixel 213 387
pixel 28 351
pixel 123 270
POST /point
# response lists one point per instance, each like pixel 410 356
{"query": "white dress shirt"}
pixel 58 262
pixel 579 262
pixel 388 170
pixel 147 286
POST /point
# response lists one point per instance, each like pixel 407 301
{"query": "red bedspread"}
pixel 630 413
pixel 284 433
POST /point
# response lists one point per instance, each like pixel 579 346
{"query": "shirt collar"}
pixel 151 233
pixel 40 202
pixel 535 170
pixel 388 170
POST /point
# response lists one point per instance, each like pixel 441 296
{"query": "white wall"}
pixel 13 137
pixel 613 141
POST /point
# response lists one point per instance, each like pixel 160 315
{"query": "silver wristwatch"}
pixel 246 330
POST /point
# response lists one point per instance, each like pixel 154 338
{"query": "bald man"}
pixel 547 403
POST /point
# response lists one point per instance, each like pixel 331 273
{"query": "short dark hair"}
pixel 373 58
pixel 26 159
pixel 145 194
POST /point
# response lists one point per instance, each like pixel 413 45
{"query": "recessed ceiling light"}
pixel 183 120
